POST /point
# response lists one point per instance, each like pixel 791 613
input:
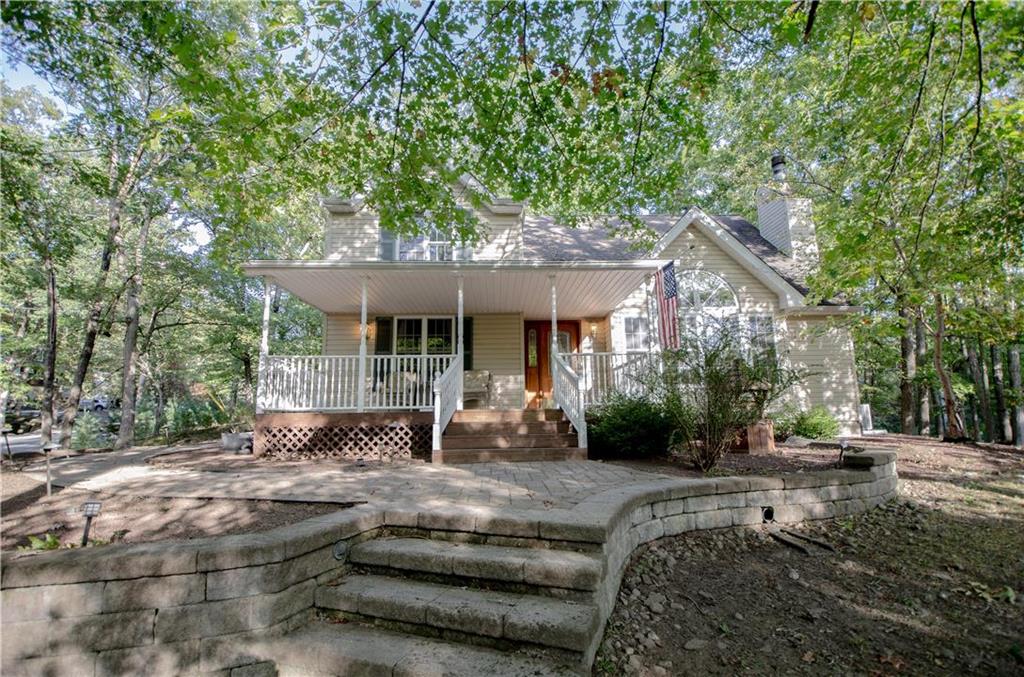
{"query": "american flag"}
pixel 668 307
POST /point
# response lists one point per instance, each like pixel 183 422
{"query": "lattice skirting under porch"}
pixel 377 436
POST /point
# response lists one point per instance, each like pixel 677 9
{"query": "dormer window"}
pixel 431 245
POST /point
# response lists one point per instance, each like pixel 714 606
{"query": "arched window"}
pixel 700 290
pixel 707 305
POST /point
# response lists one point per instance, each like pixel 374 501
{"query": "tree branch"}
pixel 810 20
pixel 977 102
pixel 650 86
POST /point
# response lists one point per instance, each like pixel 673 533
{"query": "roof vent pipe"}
pixel 779 167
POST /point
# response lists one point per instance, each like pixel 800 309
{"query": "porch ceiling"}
pixel 584 288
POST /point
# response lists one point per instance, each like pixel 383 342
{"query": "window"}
pixel 707 305
pixel 636 334
pixel 761 336
pixel 432 245
pixel 439 336
pixel 531 350
pixel 409 336
pixel 564 342
pixel 420 335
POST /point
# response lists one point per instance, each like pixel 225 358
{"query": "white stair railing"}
pixel 447 394
pixel 602 374
pixel 565 390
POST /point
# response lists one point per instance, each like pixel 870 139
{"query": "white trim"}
pixel 789 296
pixel 423 333
pixel 268 267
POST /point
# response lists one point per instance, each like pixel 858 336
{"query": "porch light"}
pixel 90 509
pixel 593 329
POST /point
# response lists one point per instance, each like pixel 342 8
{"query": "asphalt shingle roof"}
pixel 547 240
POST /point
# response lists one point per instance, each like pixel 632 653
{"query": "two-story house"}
pixel 495 351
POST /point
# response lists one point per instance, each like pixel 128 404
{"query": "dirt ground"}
pixel 26 510
pixel 932 583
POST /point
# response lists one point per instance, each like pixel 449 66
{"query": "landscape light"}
pixel 90 509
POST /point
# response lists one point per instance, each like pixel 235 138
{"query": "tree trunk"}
pixel 1018 409
pixel 978 376
pixel 50 364
pixel 1004 426
pixel 126 431
pixel 924 412
pixel 954 425
pixel 908 368
pixel 121 187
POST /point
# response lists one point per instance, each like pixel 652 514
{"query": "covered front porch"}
pixel 404 341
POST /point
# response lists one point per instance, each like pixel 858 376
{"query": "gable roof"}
pixel 544 238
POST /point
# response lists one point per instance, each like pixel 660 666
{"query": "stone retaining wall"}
pixel 191 607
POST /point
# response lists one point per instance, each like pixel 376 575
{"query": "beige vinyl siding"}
pixel 635 305
pixel 503 238
pixel 356 237
pixel 498 348
pixel 819 346
pixel 341 335
pixel 693 250
pixel 351 237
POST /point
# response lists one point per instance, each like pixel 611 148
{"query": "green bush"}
pixel 628 426
pixel 815 424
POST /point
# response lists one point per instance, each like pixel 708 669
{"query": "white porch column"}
pixel 361 390
pixel 648 283
pixel 261 369
pixel 554 325
pixel 462 344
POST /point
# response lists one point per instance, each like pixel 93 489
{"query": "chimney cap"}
pixel 778 166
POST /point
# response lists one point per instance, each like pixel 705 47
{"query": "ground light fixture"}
pixel 90 509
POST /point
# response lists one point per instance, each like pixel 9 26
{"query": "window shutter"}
pixel 467 357
pixel 382 343
pixel 387 245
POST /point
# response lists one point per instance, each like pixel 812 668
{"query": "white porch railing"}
pixel 331 382
pixel 447 396
pixel 601 374
pixel 568 396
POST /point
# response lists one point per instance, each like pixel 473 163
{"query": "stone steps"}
pixel 479 617
pixel 537 569
pixel 323 649
pixel 485 435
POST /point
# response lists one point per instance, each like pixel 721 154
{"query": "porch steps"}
pixel 484 435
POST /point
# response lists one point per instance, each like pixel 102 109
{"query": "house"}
pixel 496 351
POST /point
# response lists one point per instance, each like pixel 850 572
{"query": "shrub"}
pixel 714 386
pixel 815 424
pixel 628 426
pixel 89 432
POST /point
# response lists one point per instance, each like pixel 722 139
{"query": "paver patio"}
pixel 540 485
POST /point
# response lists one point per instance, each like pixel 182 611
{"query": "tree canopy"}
pixel 902 120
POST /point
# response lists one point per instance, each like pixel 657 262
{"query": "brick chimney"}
pixel 785 220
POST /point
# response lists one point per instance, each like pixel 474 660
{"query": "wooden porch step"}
pixel 506 428
pixel 508 441
pixel 476 415
pixel 509 455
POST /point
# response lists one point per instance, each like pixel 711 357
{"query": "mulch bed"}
pixel 26 510
pixel 930 584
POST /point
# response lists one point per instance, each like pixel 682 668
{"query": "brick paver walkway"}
pixel 537 485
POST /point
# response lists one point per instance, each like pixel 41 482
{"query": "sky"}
pixel 20 76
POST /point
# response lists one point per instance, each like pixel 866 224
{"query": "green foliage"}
pixel 628 426
pixel 47 542
pixel 90 432
pixel 713 387
pixel 816 424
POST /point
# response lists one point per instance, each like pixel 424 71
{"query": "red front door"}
pixel 537 343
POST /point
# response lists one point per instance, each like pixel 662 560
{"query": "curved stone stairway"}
pixel 413 606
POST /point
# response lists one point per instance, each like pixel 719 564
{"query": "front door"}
pixel 537 339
